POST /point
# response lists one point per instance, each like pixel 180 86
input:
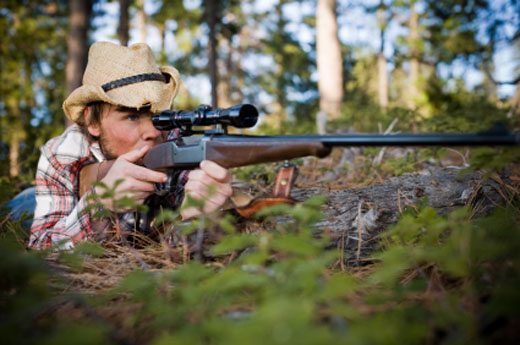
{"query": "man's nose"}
pixel 149 132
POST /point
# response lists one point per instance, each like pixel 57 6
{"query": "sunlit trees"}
pixel 32 61
pixel 329 59
pixel 77 47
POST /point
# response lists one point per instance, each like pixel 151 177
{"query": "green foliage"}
pixel 74 258
pixel 407 163
pixel 23 291
pixel 278 280
pixel 492 159
pixel 399 166
pixel 280 289
pixel 32 85
pixel 460 110
pixel 264 172
pixel 454 261
pixel 27 301
pixel 437 279
pixel 110 194
pixel 7 189
pixel 81 334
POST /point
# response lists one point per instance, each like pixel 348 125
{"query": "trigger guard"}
pixel 164 188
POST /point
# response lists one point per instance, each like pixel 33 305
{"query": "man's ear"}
pixel 93 129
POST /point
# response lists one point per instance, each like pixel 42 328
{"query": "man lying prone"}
pixel 122 87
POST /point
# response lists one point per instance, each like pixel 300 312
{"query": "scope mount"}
pixel 218 128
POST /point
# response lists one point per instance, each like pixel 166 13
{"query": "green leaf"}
pixel 338 285
pixel 166 216
pixel 90 248
pixel 234 242
pixel 226 223
pixel 293 244
pixel 81 334
pixel 141 284
pixel 394 262
pixel 129 203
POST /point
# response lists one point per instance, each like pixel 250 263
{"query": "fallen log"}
pixel 354 218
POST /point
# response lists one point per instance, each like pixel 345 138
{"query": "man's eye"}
pixel 132 117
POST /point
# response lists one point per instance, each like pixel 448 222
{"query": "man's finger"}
pixel 195 186
pixel 225 189
pixel 204 185
pixel 210 205
pixel 145 174
pixel 217 200
pixel 134 155
pixel 204 178
pixel 134 185
pixel 199 175
pixel 216 171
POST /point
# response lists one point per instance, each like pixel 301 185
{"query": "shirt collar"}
pixel 95 149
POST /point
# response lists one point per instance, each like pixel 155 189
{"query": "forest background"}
pixel 364 66
pixel 433 65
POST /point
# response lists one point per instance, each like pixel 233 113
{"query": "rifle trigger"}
pixel 164 188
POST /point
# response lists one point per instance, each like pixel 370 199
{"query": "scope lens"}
pixel 163 121
pixel 247 117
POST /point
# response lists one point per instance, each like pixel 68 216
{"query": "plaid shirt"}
pixel 59 216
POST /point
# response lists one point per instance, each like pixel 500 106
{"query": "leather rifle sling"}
pixel 92 173
pixel 285 178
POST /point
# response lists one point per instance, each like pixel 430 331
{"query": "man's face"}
pixel 123 129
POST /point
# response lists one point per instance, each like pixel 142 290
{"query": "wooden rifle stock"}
pixel 233 154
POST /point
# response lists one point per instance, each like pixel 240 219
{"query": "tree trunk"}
pixel 245 42
pixel 211 15
pixel 329 60
pixel 122 30
pixel 14 154
pixel 225 87
pixel 381 61
pixel 77 43
pixel 163 59
pixel 515 104
pixel 141 21
pixel 414 56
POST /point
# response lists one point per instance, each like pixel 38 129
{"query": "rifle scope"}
pixel 240 116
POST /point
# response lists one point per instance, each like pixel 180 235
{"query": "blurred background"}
pixel 424 65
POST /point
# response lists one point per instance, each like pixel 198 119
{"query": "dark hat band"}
pixel 132 80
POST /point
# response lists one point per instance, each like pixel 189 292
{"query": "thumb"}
pixel 135 155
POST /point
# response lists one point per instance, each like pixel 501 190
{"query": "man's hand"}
pixel 198 187
pixel 138 182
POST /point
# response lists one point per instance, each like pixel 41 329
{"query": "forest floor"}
pixel 389 239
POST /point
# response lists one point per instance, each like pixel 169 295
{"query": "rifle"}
pixel 233 150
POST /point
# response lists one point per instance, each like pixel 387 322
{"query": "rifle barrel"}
pixel 388 140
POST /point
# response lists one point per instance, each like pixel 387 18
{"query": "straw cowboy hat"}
pixel 123 76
